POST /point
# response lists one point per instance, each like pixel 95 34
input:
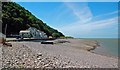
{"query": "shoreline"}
pixel 67 54
pixel 100 48
pixel 102 54
pixel 102 51
pixel 91 48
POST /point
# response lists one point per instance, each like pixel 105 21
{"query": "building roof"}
pixel 24 31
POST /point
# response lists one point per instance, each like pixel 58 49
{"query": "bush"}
pixel 62 37
pixel 56 35
pixel 69 37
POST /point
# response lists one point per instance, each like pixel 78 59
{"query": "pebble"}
pixel 16 57
pixel 39 58
pixel 39 54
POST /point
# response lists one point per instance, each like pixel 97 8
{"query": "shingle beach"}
pixel 72 53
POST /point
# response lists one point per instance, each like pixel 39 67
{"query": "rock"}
pixel 7 44
pixel 8 62
pixel 35 61
pixel 39 58
pixel 24 55
pixel 39 54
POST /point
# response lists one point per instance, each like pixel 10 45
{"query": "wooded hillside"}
pixel 18 18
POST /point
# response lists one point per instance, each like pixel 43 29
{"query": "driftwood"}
pixel 7 44
pixel 62 41
pixel 47 43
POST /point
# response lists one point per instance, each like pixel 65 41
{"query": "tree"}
pixel 18 18
pixel 55 35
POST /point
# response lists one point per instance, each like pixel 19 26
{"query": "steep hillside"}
pixel 18 18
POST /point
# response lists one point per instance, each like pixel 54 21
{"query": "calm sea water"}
pixel 108 46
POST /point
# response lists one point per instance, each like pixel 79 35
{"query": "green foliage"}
pixel 56 35
pixel 68 37
pixel 62 37
pixel 18 18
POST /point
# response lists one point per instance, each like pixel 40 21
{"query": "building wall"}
pixel 36 33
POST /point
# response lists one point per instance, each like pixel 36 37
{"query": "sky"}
pixel 78 19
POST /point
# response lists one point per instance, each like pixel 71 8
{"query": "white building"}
pixel 32 33
pixel 25 34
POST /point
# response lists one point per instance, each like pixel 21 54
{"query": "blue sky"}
pixel 78 19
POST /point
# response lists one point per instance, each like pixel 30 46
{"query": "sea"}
pixel 108 46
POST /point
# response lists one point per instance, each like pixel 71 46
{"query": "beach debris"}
pixel 62 41
pixel 7 44
pixel 47 42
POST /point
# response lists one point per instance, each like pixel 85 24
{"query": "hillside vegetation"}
pixel 18 18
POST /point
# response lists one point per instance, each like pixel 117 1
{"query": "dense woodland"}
pixel 18 18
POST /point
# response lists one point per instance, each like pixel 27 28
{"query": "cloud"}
pixel 92 25
pixel 78 28
pixel 88 25
pixel 112 13
pixel 108 15
pixel 82 12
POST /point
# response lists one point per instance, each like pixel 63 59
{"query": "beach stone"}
pixel 59 57
pixel 39 54
pixel 39 58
